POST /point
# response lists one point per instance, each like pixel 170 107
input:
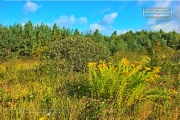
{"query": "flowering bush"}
pixel 127 83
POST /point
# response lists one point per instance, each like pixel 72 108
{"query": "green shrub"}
pixel 76 52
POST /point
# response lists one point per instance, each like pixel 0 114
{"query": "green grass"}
pixel 40 90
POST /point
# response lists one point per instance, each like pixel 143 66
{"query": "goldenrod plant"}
pixel 128 82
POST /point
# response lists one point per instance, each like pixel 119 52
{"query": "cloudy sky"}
pixel 86 15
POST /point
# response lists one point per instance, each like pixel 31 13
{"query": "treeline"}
pixel 32 40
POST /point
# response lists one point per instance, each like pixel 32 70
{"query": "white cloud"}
pixel 151 22
pixel 158 3
pixel 122 31
pixel 140 2
pixel 105 23
pixel 31 6
pixel 178 29
pixel 95 26
pixel 166 26
pixel 22 24
pixel 83 20
pixel 161 4
pixel 68 21
pixel 105 10
pixel 109 18
pixel 176 12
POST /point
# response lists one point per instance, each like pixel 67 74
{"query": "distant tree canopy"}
pixel 114 33
pixel 31 40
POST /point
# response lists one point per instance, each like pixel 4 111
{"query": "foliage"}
pixel 131 56
pixel 76 52
pixel 129 84
pixel 108 81
pixel 24 40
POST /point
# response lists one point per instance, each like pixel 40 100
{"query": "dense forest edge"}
pixel 58 73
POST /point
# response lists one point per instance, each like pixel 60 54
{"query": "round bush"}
pixel 76 52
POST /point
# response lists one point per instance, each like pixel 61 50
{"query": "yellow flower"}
pixel 146 80
pixel 156 76
pixel 139 67
pixel 152 78
pixel 101 61
pixel 110 63
pixel 147 68
pixel 91 64
pixel 157 69
pixel 125 84
pixel 114 69
pixel 175 92
pixel 42 118
pixel 125 61
pixel 169 97
pixel 102 64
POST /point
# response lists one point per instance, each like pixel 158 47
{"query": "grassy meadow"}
pixel 39 90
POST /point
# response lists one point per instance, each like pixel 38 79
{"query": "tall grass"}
pixel 35 93
pixel 41 90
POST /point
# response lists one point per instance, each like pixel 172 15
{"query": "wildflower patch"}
pixel 125 82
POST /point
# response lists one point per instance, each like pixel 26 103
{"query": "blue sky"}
pixel 105 15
